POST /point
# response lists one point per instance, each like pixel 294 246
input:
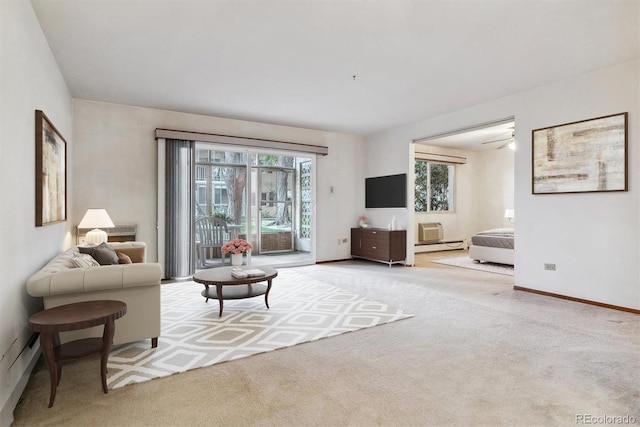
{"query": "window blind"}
pixel 237 140
pixel 441 158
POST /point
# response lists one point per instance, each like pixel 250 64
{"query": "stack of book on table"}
pixel 240 273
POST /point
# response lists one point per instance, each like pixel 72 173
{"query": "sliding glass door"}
pixel 276 210
pixel 220 184
pixel 264 197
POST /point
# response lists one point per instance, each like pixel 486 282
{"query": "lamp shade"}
pixel 510 213
pixel 96 218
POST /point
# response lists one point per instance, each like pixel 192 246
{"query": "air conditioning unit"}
pixel 430 232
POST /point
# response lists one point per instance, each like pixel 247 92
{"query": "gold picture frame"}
pixel 51 173
pixel 581 157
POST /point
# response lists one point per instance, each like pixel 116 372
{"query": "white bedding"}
pixel 495 245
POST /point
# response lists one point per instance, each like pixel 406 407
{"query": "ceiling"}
pixel 479 138
pixel 350 66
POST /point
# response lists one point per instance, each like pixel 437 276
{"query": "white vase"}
pixel 236 259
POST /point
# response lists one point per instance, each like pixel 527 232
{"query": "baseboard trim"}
pixel 333 260
pixel 584 301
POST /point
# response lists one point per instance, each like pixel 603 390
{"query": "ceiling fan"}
pixel 507 141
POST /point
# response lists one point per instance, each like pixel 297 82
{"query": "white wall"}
pixel 593 238
pixel 494 188
pixel 338 212
pixel 30 80
pixel 601 266
pixel 388 157
pixel 117 160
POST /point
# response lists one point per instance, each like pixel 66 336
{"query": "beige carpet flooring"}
pixel 475 353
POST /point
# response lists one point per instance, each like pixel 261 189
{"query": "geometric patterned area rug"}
pixel 193 336
pixel 466 262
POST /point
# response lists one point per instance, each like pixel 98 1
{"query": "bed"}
pixel 495 245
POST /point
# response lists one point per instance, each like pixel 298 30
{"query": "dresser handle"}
pixel 373 247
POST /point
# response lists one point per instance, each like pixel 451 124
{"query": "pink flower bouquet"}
pixel 237 246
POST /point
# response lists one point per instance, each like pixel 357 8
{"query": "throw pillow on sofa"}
pixel 135 253
pixel 123 258
pixel 103 253
pixel 84 261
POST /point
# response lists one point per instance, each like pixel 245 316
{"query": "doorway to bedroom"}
pixel 480 161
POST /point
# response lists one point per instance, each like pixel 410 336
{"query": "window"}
pixel 220 183
pixel 434 187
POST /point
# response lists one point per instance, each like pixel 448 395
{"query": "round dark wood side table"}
pixel 70 317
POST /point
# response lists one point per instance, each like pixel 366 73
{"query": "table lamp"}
pixel 510 214
pixel 96 219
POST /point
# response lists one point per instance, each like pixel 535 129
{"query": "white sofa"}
pixel 136 284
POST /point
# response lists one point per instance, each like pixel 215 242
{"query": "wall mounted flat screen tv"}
pixel 386 191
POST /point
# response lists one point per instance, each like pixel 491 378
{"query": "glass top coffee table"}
pixel 221 285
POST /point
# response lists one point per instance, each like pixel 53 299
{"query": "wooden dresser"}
pixel 378 244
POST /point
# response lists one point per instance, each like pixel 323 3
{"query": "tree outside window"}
pixel 283 215
pixel 433 186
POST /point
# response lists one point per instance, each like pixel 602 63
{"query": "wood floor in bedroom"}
pixel 424 259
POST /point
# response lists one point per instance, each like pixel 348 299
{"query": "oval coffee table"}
pixel 234 288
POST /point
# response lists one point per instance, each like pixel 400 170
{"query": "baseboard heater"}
pixel 430 232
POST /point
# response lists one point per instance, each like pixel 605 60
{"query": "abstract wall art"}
pixel 51 173
pixel 585 156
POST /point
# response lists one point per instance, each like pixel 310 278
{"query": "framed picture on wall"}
pixel 51 173
pixel 580 157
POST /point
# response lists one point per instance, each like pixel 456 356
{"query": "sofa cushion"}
pixel 103 253
pixel 84 260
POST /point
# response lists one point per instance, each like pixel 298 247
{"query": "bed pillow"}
pixel 103 253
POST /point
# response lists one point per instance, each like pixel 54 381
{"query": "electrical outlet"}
pixel 551 267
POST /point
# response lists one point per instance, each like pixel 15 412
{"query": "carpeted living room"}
pixel 356 152
pixel 474 352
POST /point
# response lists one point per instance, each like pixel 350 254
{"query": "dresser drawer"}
pixel 375 238
pixel 375 244
pixel 379 244
pixel 375 254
